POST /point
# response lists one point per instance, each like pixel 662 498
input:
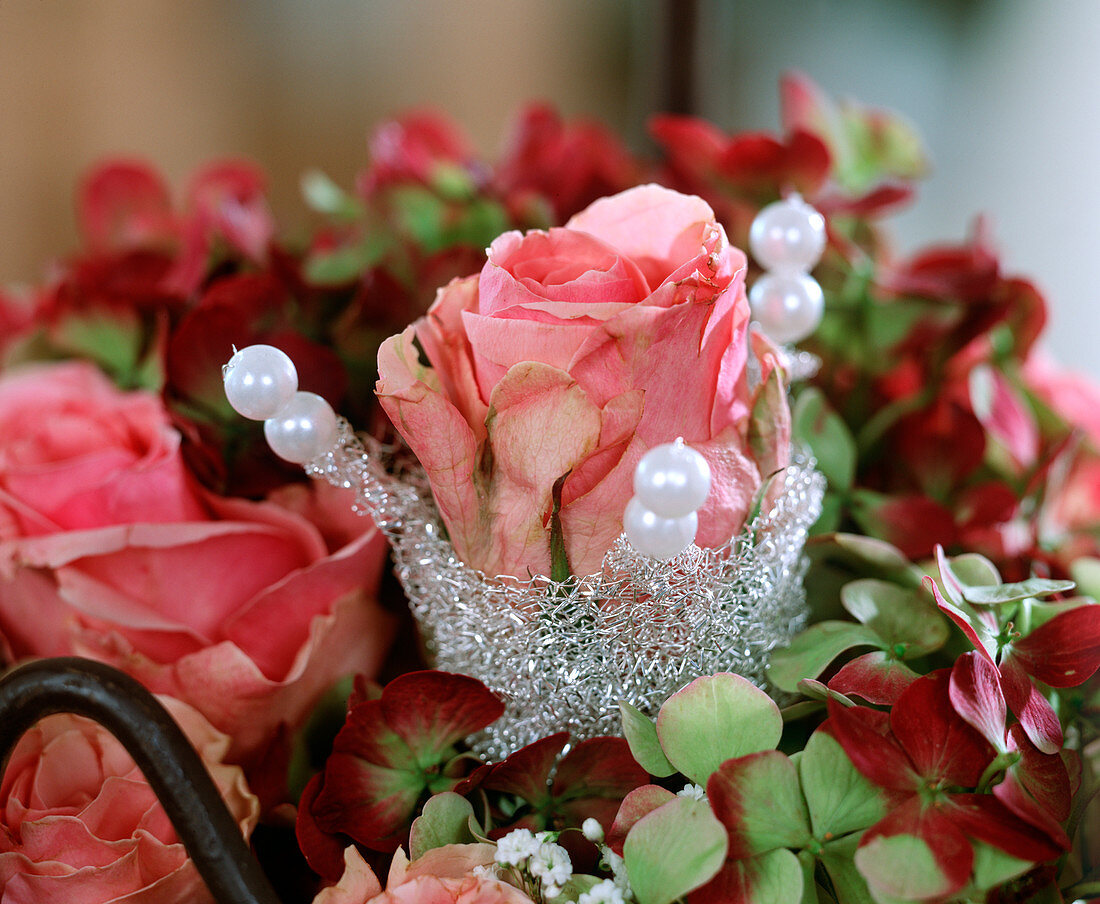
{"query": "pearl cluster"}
pixel 671 484
pixel 787 239
pixel 261 383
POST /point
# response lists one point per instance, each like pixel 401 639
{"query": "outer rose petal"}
pixel 438 435
pixel 358 884
pixel 543 425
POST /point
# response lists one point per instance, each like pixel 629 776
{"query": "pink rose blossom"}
pixel 570 355
pixel 109 549
pixel 443 875
pixel 79 823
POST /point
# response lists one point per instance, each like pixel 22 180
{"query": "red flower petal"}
pixel 1032 709
pixel 875 677
pixel 324 851
pixel 525 773
pixel 975 692
pixel 431 710
pixel 371 803
pixel 940 744
pixel 975 631
pixel 935 828
pixel 879 758
pixel 986 818
pixel 598 767
pixel 1065 651
pixel 124 204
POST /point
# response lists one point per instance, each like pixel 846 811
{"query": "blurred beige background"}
pixel 1005 92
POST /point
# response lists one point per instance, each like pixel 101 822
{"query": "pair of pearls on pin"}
pixel 261 383
pixel 671 484
pixel 787 239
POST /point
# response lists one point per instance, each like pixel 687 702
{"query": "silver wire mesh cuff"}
pixel 563 654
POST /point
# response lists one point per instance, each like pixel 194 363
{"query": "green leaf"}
pixel 1086 573
pixel 874 552
pixel 325 196
pixel 445 819
pixel 559 556
pixel 713 719
pixel 759 800
pixel 907 621
pixel 807 862
pixel 676 848
pixel 973 570
pixel 839 799
pixel 810 653
pixel 641 735
pixel 838 857
pixel 814 423
pixel 1010 593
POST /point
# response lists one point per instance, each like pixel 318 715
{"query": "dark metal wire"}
pixel 171 766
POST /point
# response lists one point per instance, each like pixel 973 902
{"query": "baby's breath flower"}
pixel 695 792
pixel 592 830
pixel 618 870
pixel 605 892
pixel 516 847
pixel 550 863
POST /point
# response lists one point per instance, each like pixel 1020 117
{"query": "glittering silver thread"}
pixel 563 654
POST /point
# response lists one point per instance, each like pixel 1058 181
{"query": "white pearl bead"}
pixel 788 306
pixel 652 535
pixel 259 381
pixel 304 429
pixel 788 235
pixel 672 480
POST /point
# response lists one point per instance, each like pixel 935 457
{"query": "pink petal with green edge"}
pixel 1034 711
pixel 941 745
pixel 1065 651
pixel 976 633
pixel 951 584
pixel 598 767
pixel 525 773
pixel 431 711
pixel 772 878
pixel 678 847
pixel 879 758
pixel 759 800
pixel 440 438
pixel 985 817
pixel 714 718
pixel 372 804
pixel 542 426
pixel 1004 414
pixel 635 805
pixel 1044 776
pixel 876 677
pixel 975 692
pixel 915 853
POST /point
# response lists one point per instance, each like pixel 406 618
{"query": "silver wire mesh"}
pixel 563 654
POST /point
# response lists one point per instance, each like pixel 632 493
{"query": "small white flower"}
pixel 550 863
pixel 695 792
pixel 618 870
pixel 550 891
pixel 605 892
pixel 516 847
pixel 592 830
pixel 485 872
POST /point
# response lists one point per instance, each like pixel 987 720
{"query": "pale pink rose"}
pixel 80 824
pixel 571 354
pixel 109 549
pixel 441 876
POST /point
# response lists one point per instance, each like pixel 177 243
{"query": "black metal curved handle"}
pixel 161 750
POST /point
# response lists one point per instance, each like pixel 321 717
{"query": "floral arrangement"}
pixel 932 735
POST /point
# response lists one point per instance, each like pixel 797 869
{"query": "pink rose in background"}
pixel 79 822
pixel 110 549
pixel 570 355
pixel 443 875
